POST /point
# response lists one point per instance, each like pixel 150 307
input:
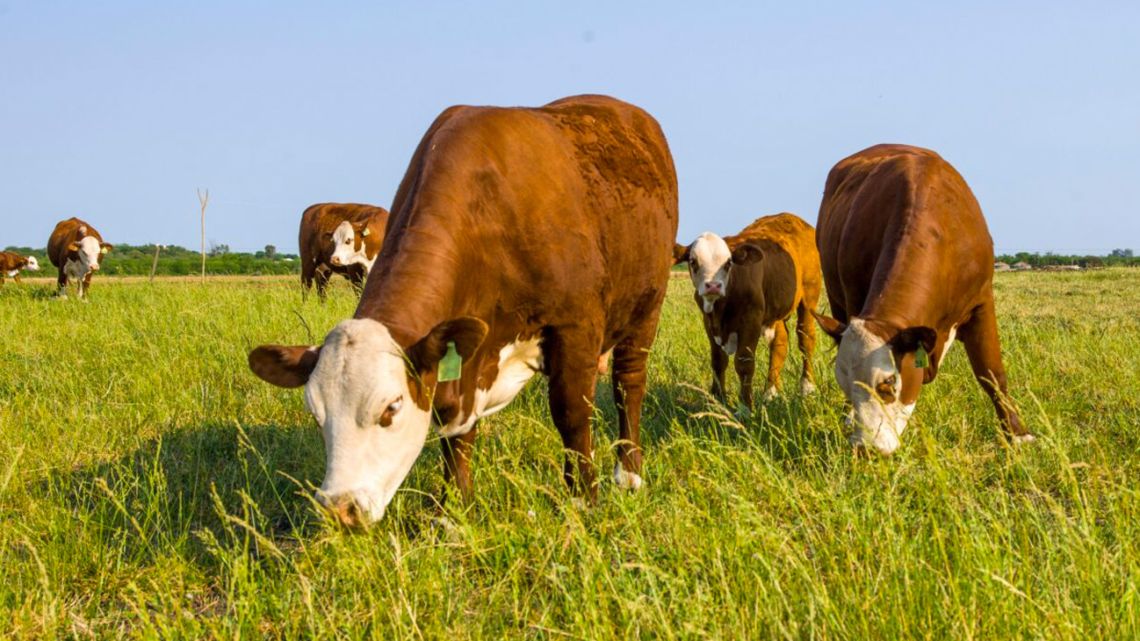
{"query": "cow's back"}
pixel 551 215
pixel 898 228
pixel 797 238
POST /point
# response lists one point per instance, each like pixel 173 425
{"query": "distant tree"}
pixel 270 252
pixel 1121 253
pixel 217 250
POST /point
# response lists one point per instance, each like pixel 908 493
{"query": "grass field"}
pixel 152 487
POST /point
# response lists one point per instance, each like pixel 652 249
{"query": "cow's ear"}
pixel 680 254
pixel 830 326
pixel 284 366
pixel 73 247
pixel 747 254
pixel 105 248
pixel 467 333
pixel 911 338
pixel 82 231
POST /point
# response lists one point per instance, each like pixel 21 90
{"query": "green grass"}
pixel 151 487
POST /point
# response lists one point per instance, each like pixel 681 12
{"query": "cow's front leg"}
pixel 719 365
pixel 457 462
pixel 572 363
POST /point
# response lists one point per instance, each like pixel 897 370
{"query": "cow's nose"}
pixel 344 509
pixel 713 287
pixel 95 267
pixel 335 260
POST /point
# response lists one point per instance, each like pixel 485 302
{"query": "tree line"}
pixel 136 260
pixel 1116 258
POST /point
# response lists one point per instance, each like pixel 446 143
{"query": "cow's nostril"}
pixel 344 509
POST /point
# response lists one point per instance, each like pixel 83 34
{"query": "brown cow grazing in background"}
pixel 522 240
pixel 747 286
pixel 75 248
pixel 11 263
pixel 339 238
pixel 908 263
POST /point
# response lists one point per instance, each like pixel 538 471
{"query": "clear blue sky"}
pixel 116 112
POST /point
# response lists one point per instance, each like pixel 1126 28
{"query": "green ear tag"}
pixel 920 360
pixel 450 365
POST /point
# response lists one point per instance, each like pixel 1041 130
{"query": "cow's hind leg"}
pixel 630 372
pixel 980 338
pixel 805 338
pixel 572 362
pixel 777 354
pixel 61 282
pixel 322 276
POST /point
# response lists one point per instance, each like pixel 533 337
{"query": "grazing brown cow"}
pixel 75 248
pixel 908 263
pixel 522 240
pixel 747 286
pixel 11 264
pixel 339 238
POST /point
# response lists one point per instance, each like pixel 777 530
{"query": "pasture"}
pixel 152 487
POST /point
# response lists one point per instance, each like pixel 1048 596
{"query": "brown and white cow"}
pixel 11 263
pixel 522 240
pixel 76 249
pixel 747 286
pixel 908 263
pixel 339 238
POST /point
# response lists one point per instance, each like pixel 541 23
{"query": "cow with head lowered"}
pixel 77 250
pixel 339 238
pixel 522 241
pixel 11 263
pixel 746 286
pixel 908 264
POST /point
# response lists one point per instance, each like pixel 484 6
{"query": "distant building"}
pixel 1022 266
pixel 1001 267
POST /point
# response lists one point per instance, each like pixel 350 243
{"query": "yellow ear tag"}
pixel 104 250
pixel 365 232
pixel 920 360
pixel 451 365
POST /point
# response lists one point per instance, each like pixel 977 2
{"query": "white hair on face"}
pixel 709 259
pixel 360 374
pixel 863 362
pixel 89 252
pixel 344 247
pixel 33 264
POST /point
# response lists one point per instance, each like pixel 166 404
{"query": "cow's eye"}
pixel 886 389
pixel 391 411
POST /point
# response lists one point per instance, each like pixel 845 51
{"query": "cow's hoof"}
pixel 742 413
pixel 807 388
pixel 444 524
pixel 579 503
pixel 771 394
pixel 1018 439
pixel 626 480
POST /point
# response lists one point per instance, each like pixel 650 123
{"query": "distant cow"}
pixel 75 248
pixel 522 240
pixel 339 238
pixel 908 263
pixel 747 286
pixel 11 264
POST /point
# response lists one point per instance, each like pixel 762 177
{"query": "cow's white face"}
pixel 33 264
pixel 90 251
pixel 373 430
pixel 348 247
pixel 710 261
pixel 866 371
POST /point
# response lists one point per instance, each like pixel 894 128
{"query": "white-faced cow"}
pixel 908 263
pixel 522 240
pixel 11 263
pixel 747 286
pixel 339 238
pixel 76 249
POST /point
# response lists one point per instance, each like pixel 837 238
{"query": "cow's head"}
pixel 373 402
pixel 348 245
pixel 90 251
pixel 31 264
pixel 710 264
pixel 875 368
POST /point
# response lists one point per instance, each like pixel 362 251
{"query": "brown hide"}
pixel 554 223
pixel 904 245
pixel 11 262
pixel 318 223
